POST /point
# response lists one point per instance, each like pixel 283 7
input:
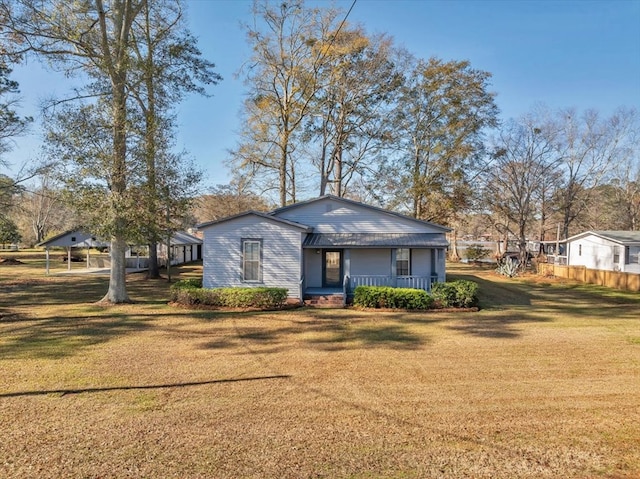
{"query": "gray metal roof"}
pixel 184 238
pixel 78 238
pixel 629 238
pixel 621 236
pixel 375 240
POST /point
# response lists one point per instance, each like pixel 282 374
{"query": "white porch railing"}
pixel 416 282
pixel 557 259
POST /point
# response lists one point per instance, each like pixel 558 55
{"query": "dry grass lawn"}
pixel 542 382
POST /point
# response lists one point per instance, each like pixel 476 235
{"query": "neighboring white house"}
pixel 321 246
pixel 605 250
pixel 184 248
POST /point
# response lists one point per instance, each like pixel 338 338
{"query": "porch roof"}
pixel 375 240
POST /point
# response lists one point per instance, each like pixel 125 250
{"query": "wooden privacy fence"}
pixel 611 279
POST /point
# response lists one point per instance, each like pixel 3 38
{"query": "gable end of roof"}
pixel 258 214
pixel 356 203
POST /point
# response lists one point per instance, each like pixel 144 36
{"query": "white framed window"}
pixel 252 260
pixel 403 262
pixel 616 254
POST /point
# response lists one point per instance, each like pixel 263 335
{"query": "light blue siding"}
pixel 312 268
pixel 421 262
pixel 281 261
pixel 331 216
pixel 370 262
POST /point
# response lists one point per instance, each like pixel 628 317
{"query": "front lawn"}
pixel 542 382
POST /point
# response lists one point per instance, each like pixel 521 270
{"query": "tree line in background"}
pixel 330 109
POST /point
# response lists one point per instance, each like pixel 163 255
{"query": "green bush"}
pixel 185 291
pixel 395 298
pixel 467 293
pixel 445 294
pixel 476 252
pixel 456 294
pixel 190 292
pixel 187 283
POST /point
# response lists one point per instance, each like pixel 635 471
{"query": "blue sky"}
pixel 582 54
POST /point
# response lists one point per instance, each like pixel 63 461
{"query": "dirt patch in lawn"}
pixel 10 261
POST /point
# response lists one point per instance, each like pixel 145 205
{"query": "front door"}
pixel 332 268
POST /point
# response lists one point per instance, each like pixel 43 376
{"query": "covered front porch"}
pixel 338 263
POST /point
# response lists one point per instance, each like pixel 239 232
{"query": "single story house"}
pixel 327 245
pixel 605 250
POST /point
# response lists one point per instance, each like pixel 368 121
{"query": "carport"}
pixel 69 240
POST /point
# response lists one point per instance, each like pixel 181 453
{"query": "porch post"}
pixel 441 265
pixel 69 258
pixel 394 271
pixel 302 279
pixel 347 262
pixel 434 264
pixel 347 268
pixel 46 250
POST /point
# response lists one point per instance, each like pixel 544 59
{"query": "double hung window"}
pixel 403 261
pixel 252 260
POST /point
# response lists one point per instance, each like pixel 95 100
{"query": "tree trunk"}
pixel 282 173
pixel 154 271
pixel 337 179
pixel 117 292
pixel 454 246
pixel 151 152
pixel 323 174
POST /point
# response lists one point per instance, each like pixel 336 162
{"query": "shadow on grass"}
pixel 322 332
pixel 394 336
pixel 497 295
pixel 496 324
pixel 52 291
pixel 25 290
pixel 507 303
pixel 58 338
pixel 63 392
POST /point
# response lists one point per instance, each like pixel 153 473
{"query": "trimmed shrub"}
pixel 267 298
pixel 445 294
pixel 190 292
pixel 466 293
pixel 185 291
pixel 394 298
pixel 456 294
